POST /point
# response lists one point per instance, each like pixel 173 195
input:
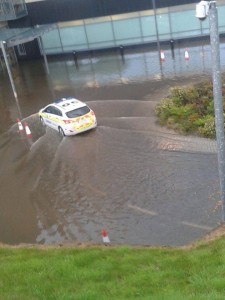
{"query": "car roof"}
pixel 68 104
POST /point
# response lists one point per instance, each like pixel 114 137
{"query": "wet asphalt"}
pixel 145 184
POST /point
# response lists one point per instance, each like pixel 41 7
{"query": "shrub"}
pixel 205 89
pixel 184 95
pixel 190 109
pixel 208 129
pixel 163 109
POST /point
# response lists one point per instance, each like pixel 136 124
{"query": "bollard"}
pixel 19 125
pixel 121 48
pixel 172 47
pixel 75 58
pixel 105 237
pixel 162 55
pixel 27 130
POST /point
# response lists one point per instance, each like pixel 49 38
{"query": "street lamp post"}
pixel 156 27
pixel 218 101
pixel 203 9
pixel 157 35
pixel 10 76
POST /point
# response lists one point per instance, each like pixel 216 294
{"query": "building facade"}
pixel 83 25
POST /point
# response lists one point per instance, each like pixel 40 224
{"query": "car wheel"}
pixel 42 121
pixel 61 132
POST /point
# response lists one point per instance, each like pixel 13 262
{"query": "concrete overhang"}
pixel 15 36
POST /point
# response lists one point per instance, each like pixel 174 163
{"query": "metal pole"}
pixel 217 93
pixel 10 77
pixel 156 28
pixel 8 69
pixel 43 53
pixel 157 35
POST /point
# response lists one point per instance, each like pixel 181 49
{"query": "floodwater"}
pixel 145 184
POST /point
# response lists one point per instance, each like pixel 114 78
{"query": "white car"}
pixel 68 116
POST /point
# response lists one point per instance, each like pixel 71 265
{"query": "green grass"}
pixel 113 273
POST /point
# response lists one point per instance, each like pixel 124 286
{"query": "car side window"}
pixel 49 110
pixel 57 112
pixel 53 110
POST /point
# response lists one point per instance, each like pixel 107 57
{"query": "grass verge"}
pixel 113 272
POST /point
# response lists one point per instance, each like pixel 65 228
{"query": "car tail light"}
pixel 92 112
pixel 67 121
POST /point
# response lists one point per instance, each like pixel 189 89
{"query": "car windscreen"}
pixel 78 112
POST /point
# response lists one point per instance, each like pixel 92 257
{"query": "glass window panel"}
pixel 184 21
pixel 165 36
pixel 75 48
pixel 222 29
pixel 163 23
pixel 102 45
pixel 205 25
pixel 186 34
pixel 148 25
pixel 128 41
pixel 205 31
pixel 129 28
pixel 51 39
pixel 150 38
pixel 99 32
pixel 73 35
pixel 221 14
pixel 53 50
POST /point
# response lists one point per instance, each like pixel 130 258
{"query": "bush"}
pixel 208 129
pixel 184 95
pixel 189 109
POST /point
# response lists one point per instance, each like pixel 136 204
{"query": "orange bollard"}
pixel 186 55
pixel 105 237
pixel 162 55
pixel 27 130
pixel 19 125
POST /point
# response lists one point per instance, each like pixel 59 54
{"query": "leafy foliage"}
pixel 190 110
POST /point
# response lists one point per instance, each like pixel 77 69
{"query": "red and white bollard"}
pixel 27 130
pixel 162 55
pixel 20 125
pixel 105 237
pixel 186 55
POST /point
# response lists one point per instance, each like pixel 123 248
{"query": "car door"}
pixel 57 118
pixel 49 116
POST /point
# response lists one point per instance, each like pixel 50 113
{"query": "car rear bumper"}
pixel 69 131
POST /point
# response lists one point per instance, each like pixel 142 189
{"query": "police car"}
pixel 68 116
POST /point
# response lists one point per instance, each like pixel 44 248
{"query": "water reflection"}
pixel 109 69
pixel 98 72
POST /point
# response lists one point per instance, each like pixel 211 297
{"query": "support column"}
pixel 157 35
pixel 218 99
pixel 43 53
pixel 10 76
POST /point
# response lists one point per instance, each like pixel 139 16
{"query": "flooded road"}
pixel 143 183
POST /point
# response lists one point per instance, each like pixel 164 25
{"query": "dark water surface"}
pixel 143 183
